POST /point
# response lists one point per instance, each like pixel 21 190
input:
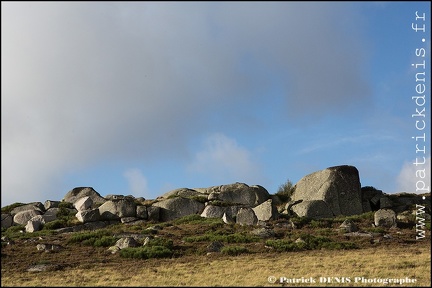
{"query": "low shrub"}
pixel 314 242
pixel 234 250
pixel 16 229
pixel 56 224
pixel 285 191
pixel 198 238
pixel 99 238
pixel 201 199
pixel 65 212
pixel 323 223
pixel 284 245
pixel 9 208
pixel 197 219
pixel 309 242
pixel 105 241
pixel 159 241
pixel 359 217
pixel 146 252
pixel 64 204
pixel 18 232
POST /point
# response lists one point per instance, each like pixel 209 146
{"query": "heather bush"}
pixel 234 250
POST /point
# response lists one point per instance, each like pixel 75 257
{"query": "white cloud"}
pixel 137 182
pixel 415 179
pixel 223 159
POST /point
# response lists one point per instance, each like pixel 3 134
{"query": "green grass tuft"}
pixel 234 250
pixel 146 252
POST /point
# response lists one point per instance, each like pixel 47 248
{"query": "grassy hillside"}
pixel 177 254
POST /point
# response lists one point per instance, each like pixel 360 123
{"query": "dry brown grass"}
pixel 412 261
pixel 397 256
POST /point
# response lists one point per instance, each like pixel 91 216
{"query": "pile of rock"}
pixel 334 191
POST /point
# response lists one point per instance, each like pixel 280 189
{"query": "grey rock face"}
pixel 385 218
pixel 33 225
pixel 88 215
pixel 22 217
pixel 52 212
pixel 227 219
pixel 51 204
pixel 141 212
pixel 83 203
pixel 348 226
pixel 183 192
pixel 212 211
pixel 239 193
pixel 115 209
pixel 226 213
pixel 313 209
pixel 36 222
pixel 49 247
pixel 126 220
pixel 6 220
pixel 30 206
pixel 246 216
pixel 126 242
pixel 338 186
pixel 263 232
pixel 174 208
pixel 266 211
pixel 153 213
pixel 73 195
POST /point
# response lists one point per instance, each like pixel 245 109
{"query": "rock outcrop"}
pixel 334 191
pixel 313 209
pixel 219 201
pixel 118 208
pixel 337 187
pixel 385 218
pixel 177 207
pixel 79 192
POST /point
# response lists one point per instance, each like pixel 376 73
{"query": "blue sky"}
pixel 141 98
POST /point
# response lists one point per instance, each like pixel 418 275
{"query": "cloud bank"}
pixel 91 82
